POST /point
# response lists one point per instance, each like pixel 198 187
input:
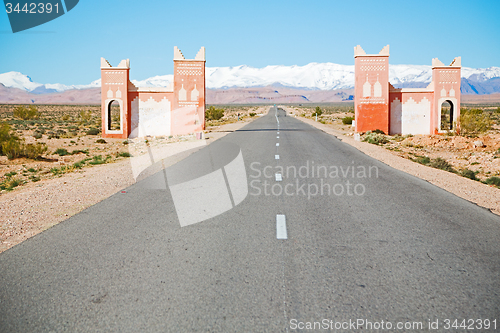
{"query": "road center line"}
pixel 277 144
pixel 278 137
pixel 276 157
pixel 281 227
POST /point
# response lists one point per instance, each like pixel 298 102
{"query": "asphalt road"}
pixel 365 247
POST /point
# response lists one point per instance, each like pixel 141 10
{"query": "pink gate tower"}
pixel 154 111
pixel 378 105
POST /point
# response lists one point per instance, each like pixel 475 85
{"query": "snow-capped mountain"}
pixel 314 76
pixel 155 81
pixel 322 76
pixel 24 82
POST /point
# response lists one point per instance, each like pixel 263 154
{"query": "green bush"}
pixel 15 148
pixel 375 138
pixel 61 152
pixel 53 135
pixel 474 121
pixel 34 178
pixel 5 133
pixel 124 154
pixel 214 114
pixel 56 171
pixel 442 164
pixel 81 164
pixel 468 174
pixel 78 151
pixel 252 114
pixel 34 151
pixel 101 141
pixel 37 135
pixel 10 183
pixel 25 113
pixel 93 131
pixel 99 160
pixel 347 120
pixel 422 160
pixel 85 116
pixel 493 181
pixel 11 148
pixel 398 138
pixel 318 112
pixel 9 141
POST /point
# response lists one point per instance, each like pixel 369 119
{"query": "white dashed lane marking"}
pixel 281 227
pixel 276 157
pixel 279 178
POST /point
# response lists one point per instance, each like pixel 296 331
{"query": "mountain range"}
pixel 315 82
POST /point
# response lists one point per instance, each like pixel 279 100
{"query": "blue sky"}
pixel 255 33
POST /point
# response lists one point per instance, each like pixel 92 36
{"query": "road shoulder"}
pixel 481 194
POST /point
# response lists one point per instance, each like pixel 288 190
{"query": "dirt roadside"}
pixel 481 194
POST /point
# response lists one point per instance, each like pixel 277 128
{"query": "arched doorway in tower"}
pixel 447 116
pixel 114 116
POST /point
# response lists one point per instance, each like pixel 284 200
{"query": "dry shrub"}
pixel 442 164
pixel 375 137
pixel 13 147
pixel 347 120
pixel 26 113
pixel 214 114
pixel 34 151
pixel 474 121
